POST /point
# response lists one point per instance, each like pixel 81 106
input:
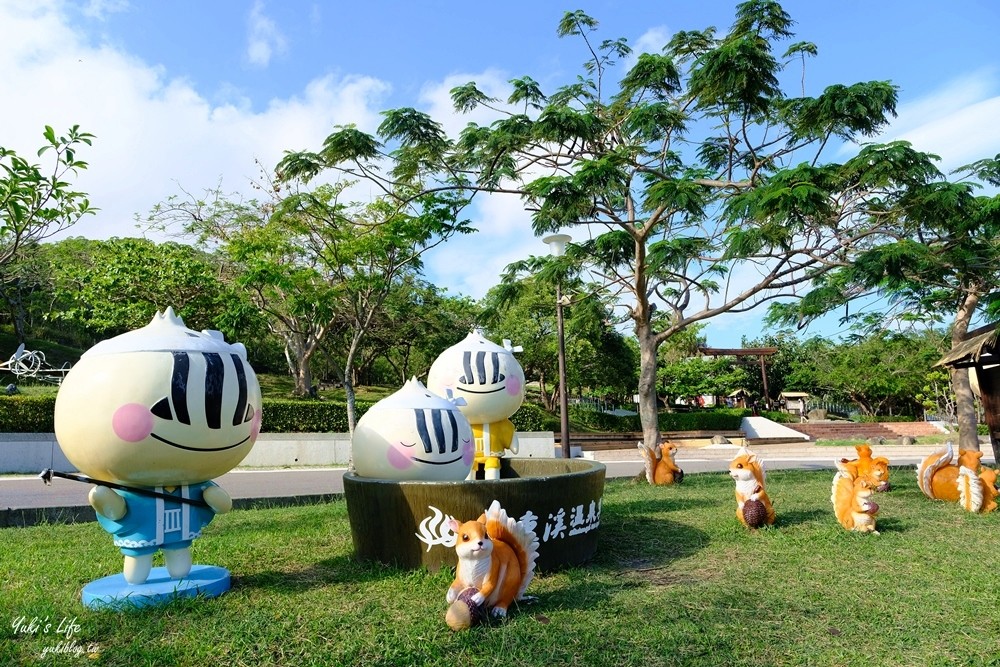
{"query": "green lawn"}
pixel 677 581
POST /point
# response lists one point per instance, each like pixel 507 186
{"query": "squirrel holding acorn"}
pixel 496 562
pixel 753 505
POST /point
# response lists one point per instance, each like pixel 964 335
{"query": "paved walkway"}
pixel 26 500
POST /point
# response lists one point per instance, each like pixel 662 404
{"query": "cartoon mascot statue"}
pixel 491 381
pixel 151 417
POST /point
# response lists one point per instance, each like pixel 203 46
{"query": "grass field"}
pixel 676 581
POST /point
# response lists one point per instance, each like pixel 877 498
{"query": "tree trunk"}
pixel 648 413
pixel 298 367
pixel 352 415
pixel 12 295
pixel 351 402
pixel 541 392
pixel 965 401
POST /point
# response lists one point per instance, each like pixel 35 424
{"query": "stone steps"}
pixel 843 430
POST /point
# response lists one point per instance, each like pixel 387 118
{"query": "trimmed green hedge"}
pixel 876 419
pixel 27 414
pixel 34 414
pixel 531 417
pixel 717 419
pixel 291 416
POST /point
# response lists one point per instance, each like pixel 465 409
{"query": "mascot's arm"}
pixel 217 499
pixel 107 503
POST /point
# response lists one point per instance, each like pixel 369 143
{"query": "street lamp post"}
pixel 557 248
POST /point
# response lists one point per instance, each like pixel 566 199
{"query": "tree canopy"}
pixel 696 182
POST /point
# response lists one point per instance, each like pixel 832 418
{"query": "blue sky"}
pixel 188 94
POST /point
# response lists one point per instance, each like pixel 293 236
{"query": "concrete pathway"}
pixel 26 500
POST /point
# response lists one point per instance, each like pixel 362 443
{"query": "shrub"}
pixel 283 415
pixel 780 417
pixel 27 414
pixel 530 417
pixel 876 419
pixel 721 419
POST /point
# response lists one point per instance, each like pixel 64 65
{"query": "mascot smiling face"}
pixel 160 405
pixel 483 373
pixel 413 435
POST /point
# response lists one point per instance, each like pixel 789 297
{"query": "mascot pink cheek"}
pixel 513 386
pixel 399 458
pixel 132 422
pixel 255 424
pixel 468 452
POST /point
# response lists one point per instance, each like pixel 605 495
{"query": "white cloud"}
pixel 956 122
pixel 98 9
pixel 154 134
pixel 264 39
pixel 651 41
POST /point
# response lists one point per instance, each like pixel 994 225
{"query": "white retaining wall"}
pixel 23 453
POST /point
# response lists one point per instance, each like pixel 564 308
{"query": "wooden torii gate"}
pixel 980 352
pixel 762 352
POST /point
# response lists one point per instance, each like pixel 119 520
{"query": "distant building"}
pixel 794 402
pixel 740 398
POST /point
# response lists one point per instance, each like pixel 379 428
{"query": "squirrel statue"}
pixel 662 470
pixel 496 559
pixel 753 506
pixel 977 493
pixel 937 476
pixel 874 469
pixel 851 498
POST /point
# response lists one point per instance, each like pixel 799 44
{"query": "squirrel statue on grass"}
pixel 851 498
pixel 753 506
pixel 937 475
pixel 663 470
pixel 496 562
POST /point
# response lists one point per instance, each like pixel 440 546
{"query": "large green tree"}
pixel 882 373
pixel 318 267
pixel 108 287
pixel 936 264
pixel 523 309
pixel 37 202
pixel 698 182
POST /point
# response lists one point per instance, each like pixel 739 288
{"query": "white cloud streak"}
pixel 264 39
pixel 154 134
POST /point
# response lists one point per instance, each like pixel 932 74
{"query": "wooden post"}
pixel 763 375
pixel 989 394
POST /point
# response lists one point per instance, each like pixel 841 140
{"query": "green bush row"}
pixel 531 417
pixel 780 417
pixel 27 414
pixel 717 419
pixel 34 414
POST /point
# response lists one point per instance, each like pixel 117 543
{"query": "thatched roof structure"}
pixel 979 348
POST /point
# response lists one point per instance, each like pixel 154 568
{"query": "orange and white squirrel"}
pixel 662 470
pixel 937 476
pixel 851 498
pixel 977 494
pixel 496 556
pixel 753 506
pixel 874 469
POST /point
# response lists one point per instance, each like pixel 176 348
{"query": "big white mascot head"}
pixel 413 435
pixel 160 405
pixel 485 374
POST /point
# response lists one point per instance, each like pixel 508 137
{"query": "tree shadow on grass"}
pixel 795 518
pixel 645 542
pixel 332 571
